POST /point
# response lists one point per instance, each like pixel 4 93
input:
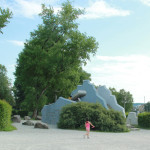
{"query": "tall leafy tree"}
pixel 52 56
pixel 5 86
pixel 5 15
pixel 124 98
pixel 67 83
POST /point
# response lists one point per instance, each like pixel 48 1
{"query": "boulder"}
pixel 41 125
pixel 16 118
pixel 27 118
pixel 38 117
pixel 132 119
pixel 28 123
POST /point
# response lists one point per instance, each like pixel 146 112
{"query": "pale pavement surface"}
pixel 28 138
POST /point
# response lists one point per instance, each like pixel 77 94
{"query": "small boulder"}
pixel 28 123
pixel 128 126
pixel 16 118
pixel 132 119
pixel 27 118
pixel 39 118
pixel 41 125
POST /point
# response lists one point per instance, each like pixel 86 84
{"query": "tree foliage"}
pixel 5 14
pixel 50 64
pixel 124 98
pixel 5 86
pixel 147 107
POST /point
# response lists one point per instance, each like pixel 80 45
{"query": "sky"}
pixel 121 27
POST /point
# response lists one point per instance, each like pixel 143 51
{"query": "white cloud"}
pixel 26 8
pixel 31 8
pixel 131 73
pixel 17 43
pixel 146 2
pixel 101 9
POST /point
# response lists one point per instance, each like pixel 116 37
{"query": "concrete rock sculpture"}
pixel 85 93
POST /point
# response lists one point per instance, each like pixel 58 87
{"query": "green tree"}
pixel 123 98
pixel 52 57
pixel 67 83
pixel 5 86
pixel 147 107
pixel 114 92
pixel 5 14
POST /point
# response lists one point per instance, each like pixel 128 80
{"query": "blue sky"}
pixel 121 27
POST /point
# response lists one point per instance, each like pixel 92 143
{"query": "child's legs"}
pixel 87 131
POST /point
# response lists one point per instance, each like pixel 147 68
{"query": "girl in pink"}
pixel 87 126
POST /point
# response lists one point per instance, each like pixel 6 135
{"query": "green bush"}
pixel 127 113
pixel 5 115
pixel 73 117
pixel 144 119
pixel 22 113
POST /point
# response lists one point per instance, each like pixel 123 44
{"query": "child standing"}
pixel 87 126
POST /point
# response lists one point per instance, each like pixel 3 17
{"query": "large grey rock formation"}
pixel 91 94
pixel 110 99
pixel 85 93
pixel 51 112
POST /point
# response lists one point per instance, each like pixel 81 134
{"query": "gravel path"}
pixel 28 138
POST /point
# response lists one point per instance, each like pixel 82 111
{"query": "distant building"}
pixel 138 107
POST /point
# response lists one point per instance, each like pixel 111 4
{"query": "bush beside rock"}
pixel 73 117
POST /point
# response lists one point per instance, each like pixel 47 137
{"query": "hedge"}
pixel 22 113
pixel 73 116
pixel 5 114
pixel 144 119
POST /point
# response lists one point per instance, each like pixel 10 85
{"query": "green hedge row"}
pixel 22 113
pixel 5 114
pixel 73 116
pixel 144 119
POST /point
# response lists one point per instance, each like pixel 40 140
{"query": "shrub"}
pixel 127 113
pixel 144 119
pixel 22 113
pixel 5 115
pixel 73 117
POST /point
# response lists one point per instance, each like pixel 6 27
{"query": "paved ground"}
pixel 28 138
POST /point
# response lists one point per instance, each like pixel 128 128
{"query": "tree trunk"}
pixel 55 97
pixel 34 113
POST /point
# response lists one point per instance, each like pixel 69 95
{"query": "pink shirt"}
pixel 87 125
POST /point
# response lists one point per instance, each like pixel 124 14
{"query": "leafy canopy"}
pixel 124 98
pixel 5 14
pixel 5 86
pixel 52 57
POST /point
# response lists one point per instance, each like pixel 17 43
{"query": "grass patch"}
pixel 9 128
